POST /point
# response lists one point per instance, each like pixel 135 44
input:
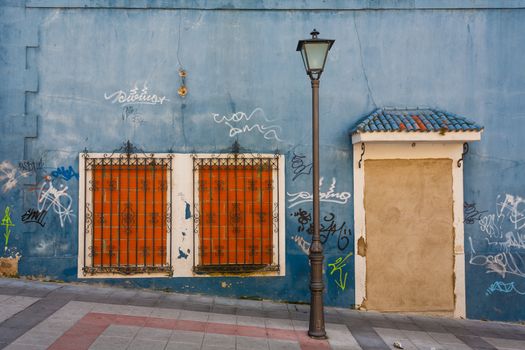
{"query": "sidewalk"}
pixel 38 315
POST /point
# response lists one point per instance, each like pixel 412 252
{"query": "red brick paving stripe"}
pixel 84 333
pixel 192 326
pixel 221 328
pixel 282 334
pixel 251 331
pixel 125 320
pixel 163 323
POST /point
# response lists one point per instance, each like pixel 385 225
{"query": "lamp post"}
pixel 314 52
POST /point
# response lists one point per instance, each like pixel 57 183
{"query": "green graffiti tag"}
pixel 7 222
pixel 337 266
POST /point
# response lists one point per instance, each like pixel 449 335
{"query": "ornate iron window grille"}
pixel 127 211
pixel 236 213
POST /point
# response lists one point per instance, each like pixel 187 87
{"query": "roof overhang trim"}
pixel 396 136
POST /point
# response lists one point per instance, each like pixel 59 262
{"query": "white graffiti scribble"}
pixel 302 243
pixel 503 264
pixel 504 234
pixel 135 97
pixel 486 224
pixel 502 287
pixel 238 124
pixel 330 196
pixel 57 199
pixel 9 174
pixel 513 240
pixel 513 207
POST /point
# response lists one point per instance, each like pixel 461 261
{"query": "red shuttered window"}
pixel 237 219
pixel 128 211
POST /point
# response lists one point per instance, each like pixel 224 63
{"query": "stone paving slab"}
pixel 506 344
pixel 10 305
pixel 134 327
pixel 93 325
pixel 36 315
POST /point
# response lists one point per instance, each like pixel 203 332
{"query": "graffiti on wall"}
pixel 303 218
pixel 504 238
pixel 31 165
pixel 330 196
pixel 300 166
pixel 132 113
pixel 136 96
pixel 34 216
pixel 302 244
pixel 471 213
pixel 504 263
pixel 9 175
pixel 66 174
pixel 328 227
pixel 241 123
pixel 502 287
pixel 7 223
pixel 337 268
pixel 50 197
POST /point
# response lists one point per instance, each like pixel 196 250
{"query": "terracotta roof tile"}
pixel 408 120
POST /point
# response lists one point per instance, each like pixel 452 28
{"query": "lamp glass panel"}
pixel 316 54
pixel 303 55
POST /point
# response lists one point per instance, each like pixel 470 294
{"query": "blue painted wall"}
pixel 59 59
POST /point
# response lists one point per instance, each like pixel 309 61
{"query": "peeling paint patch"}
pixel 361 247
pixel 187 213
pixel 182 254
pixel 9 267
pixel 226 285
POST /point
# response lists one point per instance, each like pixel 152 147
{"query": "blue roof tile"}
pixel 422 120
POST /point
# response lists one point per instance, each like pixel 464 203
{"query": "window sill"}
pixel 127 271
pixel 234 269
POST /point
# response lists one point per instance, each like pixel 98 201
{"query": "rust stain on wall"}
pixel 361 246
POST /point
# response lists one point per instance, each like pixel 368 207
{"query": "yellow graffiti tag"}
pixel 6 221
pixel 337 266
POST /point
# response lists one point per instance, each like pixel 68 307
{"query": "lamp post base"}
pixel 317 335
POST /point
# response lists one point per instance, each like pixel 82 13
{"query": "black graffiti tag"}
pixel 303 218
pixel 299 167
pixel 328 228
pixel 33 215
pixel 31 165
pixel 471 213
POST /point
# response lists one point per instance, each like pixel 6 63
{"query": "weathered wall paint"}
pixel 76 79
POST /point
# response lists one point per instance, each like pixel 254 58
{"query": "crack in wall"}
pixel 362 63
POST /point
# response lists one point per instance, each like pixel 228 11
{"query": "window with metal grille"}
pixel 127 214
pixel 236 221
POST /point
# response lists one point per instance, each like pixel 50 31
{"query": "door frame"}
pixel 406 148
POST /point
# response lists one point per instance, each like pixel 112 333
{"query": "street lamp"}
pixel 314 52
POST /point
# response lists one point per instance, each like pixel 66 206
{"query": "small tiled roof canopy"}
pixel 422 120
